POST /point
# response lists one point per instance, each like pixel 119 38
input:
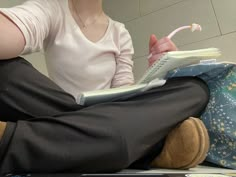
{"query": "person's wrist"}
pixel 2 129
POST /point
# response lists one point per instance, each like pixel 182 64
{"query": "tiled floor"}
pixel 197 170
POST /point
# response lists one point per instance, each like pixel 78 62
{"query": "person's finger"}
pixel 166 45
pixel 152 42
pixel 155 49
pixel 154 58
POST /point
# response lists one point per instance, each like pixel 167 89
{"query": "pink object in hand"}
pixel 193 27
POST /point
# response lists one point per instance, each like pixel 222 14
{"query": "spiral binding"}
pixel 152 69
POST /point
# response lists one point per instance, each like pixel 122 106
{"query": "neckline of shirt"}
pixel 73 22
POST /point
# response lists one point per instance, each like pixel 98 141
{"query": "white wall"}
pixel 146 17
pixel 160 17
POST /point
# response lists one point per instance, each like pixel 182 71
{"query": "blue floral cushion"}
pixel 220 113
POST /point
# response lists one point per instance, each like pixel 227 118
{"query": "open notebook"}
pixel 153 77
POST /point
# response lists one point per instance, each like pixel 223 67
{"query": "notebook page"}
pixel 173 60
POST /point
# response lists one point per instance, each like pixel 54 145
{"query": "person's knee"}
pixel 10 61
pixel 13 69
pixel 200 92
pixel 10 66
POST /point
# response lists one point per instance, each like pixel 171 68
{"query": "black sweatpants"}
pixel 48 132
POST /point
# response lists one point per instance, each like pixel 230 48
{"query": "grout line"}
pixel 152 11
pixel 209 38
pixel 218 23
pixel 139 8
pixel 200 40
pixel 142 56
pixel 229 33
pixel 164 8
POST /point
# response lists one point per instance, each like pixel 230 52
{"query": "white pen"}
pixel 193 27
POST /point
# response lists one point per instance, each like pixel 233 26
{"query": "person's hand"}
pixel 158 47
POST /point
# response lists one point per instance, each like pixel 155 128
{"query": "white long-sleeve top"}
pixel 74 63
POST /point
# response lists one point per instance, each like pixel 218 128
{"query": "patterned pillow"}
pixel 220 113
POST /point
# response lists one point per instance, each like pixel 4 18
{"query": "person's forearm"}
pixel 12 41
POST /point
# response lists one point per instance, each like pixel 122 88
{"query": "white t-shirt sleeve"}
pixel 34 18
pixel 124 69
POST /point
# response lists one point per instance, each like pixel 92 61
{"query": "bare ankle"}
pixel 2 129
